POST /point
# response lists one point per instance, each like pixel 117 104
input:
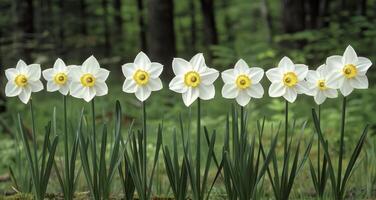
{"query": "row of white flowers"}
pixel 194 79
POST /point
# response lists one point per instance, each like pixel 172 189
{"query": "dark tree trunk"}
pixel 83 26
pixel 141 23
pixel 314 13
pixel 118 19
pixel 228 23
pixel 210 28
pixel 325 6
pixel 27 24
pixel 107 43
pixel 268 19
pixel 161 33
pixel 61 27
pixel 293 15
pixel 2 82
pixel 192 13
pixel 363 8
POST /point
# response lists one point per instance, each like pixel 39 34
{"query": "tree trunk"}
pixel 192 12
pixel 314 13
pixel 363 8
pixel 2 82
pixel 141 23
pixel 210 28
pixel 83 26
pixel 325 13
pixel 268 19
pixel 60 49
pixel 27 24
pixel 107 43
pixel 293 15
pixel 118 19
pixel 161 33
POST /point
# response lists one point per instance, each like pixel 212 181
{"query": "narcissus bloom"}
pixel 142 76
pixel 242 83
pixel 348 71
pixel 193 79
pixel 23 80
pixel 287 79
pixel 57 77
pixel 317 85
pixel 88 80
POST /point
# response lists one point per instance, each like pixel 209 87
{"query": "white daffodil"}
pixel 142 76
pixel 287 79
pixel 242 83
pixel 193 79
pixel 57 77
pixel 317 85
pixel 348 71
pixel 88 80
pixel 23 80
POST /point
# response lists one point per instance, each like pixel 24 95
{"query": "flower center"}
pixel 243 82
pixel 290 79
pixel 87 80
pixel 192 79
pixel 349 71
pixel 321 84
pixel 141 77
pixel 21 80
pixel 60 78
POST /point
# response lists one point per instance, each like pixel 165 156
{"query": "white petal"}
pixel 128 70
pixel 142 93
pixel 155 69
pixel 21 67
pixel 359 82
pixel 11 89
pixel 230 91
pixel 331 93
pixel 312 91
pixel 198 62
pixel 334 63
pixel 301 70
pixel 25 95
pixel 274 75
pixel 241 67
pixel 322 68
pixel 208 76
pixel 75 73
pixel 142 61
pixel 52 86
pixel 36 86
pixel 228 76
pixel 256 74
pixel 255 91
pixel 320 97
pixel 48 74
pixel 290 95
pixel 129 86
pixel 90 65
pixel 101 88
pixel 206 92
pixel 190 96
pixel 301 87
pixel 286 65
pixel 363 65
pixel 155 84
pixel 349 57
pixel 89 93
pixel 11 73
pixel 243 98
pixel 64 89
pixel 33 72
pixel 177 85
pixel 346 88
pixel 181 66
pixel 77 90
pixel 102 75
pixel 277 90
pixel 59 65
pixel 312 76
pixel 335 80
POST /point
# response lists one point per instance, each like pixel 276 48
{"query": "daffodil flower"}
pixel 57 77
pixel 287 79
pixel 23 80
pixel 317 85
pixel 242 83
pixel 193 79
pixel 88 80
pixel 348 71
pixel 142 76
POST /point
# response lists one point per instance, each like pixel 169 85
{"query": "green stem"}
pixel 66 162
pixel 145 147
pixel 198 152
pixel 35 148
pixel 95 167
pixel 341 148
pixel 242 124
pixel 286 124
pixel 318 147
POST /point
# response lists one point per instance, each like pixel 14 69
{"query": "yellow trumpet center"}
pixel 141 77
pixel 243 82
pixel 349 71
pixel 21 80
pixel 192 79
pixel 88 80
pixel 321 85
pixel 290 79
pixel 61 78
